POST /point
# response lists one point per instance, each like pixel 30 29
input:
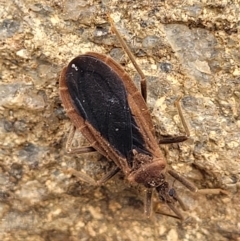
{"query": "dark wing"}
pixel 99 96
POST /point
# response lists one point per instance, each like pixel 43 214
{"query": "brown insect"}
pixel 107 108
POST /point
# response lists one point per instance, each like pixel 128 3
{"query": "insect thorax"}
pixel 147 170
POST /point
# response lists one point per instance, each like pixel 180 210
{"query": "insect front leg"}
pixel 183 180
pixel 215 191
pixel 148 206
pixel 169 196
pixel 193 188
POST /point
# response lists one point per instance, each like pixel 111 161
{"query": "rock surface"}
pixel 185 48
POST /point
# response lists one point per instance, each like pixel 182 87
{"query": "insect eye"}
pixel 172 192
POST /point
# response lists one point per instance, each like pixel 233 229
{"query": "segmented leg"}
pixel 72 150
pixel 148 202
pixel 173 193
pixel 215 191
pixel 176 139
pixel 86 178
pixel 109 175
pixel 175 210
pixel 193 188
pixel 81 175
pixel 183 180
pixel 143 82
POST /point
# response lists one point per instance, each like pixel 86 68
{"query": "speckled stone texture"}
pixel 189 48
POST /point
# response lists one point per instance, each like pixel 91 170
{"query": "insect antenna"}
pixel 176 211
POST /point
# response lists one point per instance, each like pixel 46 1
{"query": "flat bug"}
pixel 107 108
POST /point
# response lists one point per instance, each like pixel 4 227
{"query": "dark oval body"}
pixel 97 92
pixel 106 107
pixel 99 96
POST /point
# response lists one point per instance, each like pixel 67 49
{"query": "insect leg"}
pixel 215 191
pixel 171 215
pixel 193 188
pixel 175 196
pixel 175 210
pixel 148 202
pixel 176 139
pixel 143 82
pixel 86 178
pixel 172 139
pixel 81 175
pixel 184 123
pixel 148 206
pixel 72 150
pixel 183 180
pixel 169 196
pixel 108 175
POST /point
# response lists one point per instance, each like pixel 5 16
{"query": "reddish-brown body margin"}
pixel 138 108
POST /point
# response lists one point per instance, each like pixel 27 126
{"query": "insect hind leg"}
pixel 79 174
pixel 86 178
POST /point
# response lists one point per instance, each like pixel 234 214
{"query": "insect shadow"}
pixel 104 104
